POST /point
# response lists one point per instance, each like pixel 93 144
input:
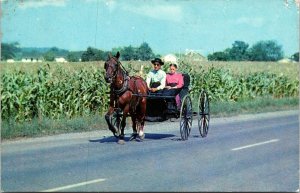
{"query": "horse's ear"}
pixel 118 55
pixel 109 55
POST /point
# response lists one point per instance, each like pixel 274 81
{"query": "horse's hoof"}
pixel 142 136
pixel 132 137
pixel 121 141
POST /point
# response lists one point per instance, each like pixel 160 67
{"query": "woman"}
pixel 156 78
pixel 174 83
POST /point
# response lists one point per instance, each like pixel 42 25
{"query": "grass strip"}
pixel 93 122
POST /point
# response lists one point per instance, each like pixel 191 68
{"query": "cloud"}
pixel 160 12
pixel 254 22
pixel 25 4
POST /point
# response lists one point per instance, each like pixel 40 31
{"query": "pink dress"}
pixel 177 79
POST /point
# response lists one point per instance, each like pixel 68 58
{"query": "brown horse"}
pixel 127 97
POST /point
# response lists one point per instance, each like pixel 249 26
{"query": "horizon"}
pixel 167 26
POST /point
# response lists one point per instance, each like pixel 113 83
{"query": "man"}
pixel 156 78
pixel 156 81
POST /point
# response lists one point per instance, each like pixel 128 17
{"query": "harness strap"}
pixel 124 87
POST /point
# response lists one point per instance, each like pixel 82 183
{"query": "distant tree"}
pixel 9 50
pixel 49 56
pixel 295 57
pixel 88 55
pixel 72 57
pixel 59 52
pixel 136 55
pixel 84 57
pixel 266 51
pixel 100 55
pixel 128 53
pixel 93 54
pixel 145 52
pixel 239 51
pixel 54 49
pixel 219 56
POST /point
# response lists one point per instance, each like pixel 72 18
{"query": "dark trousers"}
pixel 171 102
pixel 170 92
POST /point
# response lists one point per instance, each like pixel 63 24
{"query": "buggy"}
pixel 162 108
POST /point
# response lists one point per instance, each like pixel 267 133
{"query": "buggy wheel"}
pixel 186 117
pixel 116 122
pixel 203 113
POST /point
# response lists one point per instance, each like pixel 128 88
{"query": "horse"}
pixel 127 95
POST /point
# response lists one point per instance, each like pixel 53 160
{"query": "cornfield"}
pixel 52 94
pixel 60 93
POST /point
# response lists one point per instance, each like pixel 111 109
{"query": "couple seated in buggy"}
pixel 165 91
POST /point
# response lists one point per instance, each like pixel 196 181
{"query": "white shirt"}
pixel 156 76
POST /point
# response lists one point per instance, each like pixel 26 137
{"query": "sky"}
pixel 168 26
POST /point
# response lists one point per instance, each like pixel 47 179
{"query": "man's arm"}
pixel 163 81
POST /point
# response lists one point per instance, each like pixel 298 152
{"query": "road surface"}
pixel 258 152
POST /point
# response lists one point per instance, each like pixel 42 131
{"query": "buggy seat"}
pixel 186 83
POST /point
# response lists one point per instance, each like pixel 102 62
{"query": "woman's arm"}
pixel 180 80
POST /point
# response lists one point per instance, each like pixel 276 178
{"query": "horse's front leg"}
pixel 123 124
pixel 108 118
pixel 141 118
pixel 134 133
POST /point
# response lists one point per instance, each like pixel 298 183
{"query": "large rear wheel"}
pixel 203 113
pixel 186 117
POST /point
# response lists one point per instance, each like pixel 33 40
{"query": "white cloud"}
pixel 255 21
pixel 161 12
pixel 25 4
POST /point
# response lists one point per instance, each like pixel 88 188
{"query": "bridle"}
pixel 118 66
pixel 115 70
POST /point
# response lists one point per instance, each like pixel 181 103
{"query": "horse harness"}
pixel 125 87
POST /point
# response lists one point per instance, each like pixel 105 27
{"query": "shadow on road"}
pixel 148 136
pixel 155 136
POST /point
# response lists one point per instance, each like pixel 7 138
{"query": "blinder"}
pixel 113 66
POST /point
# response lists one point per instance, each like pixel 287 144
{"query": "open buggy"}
pixel 161 108
pixel 130 91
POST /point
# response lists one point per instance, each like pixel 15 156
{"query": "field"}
pixel 240 68
pixel 48 98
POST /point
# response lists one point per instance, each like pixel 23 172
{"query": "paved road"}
pixel 243 153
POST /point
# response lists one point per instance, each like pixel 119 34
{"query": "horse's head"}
pixel 111 67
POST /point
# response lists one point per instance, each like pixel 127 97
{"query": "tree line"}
pixel 13 51
pixel 268 50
